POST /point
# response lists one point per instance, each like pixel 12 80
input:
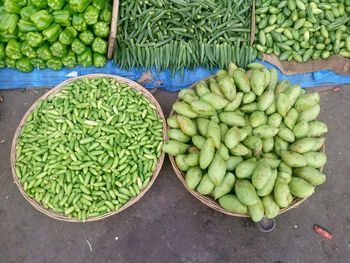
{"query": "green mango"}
pixel 293 92
pixel 232 119
pixel 273 79
pixel 224 152
pixel 246 131
pixel 232 162
pixel 227 87
pixel 205 186
pixel 231 68
pixel 214 132
pixel 175 148
pixel 272 109
pixel 192 159
pixel 252 142
pixel 214 87
pixel 248 97
pixel 202 124
pixel 274 120
pixel 319 142
pixel 293 159
pixel 180 162
pixel 266 99
pixel 184 109
pixel 271 208
pixel 268 187
pixel 245 192
pixel 193 177
pixel 261 175
pixel 202 107
pixel 301 129
pixel 249 108
pixel 186 125
pixel 281 193
pixel 188 95
pixel 207 153
pixel 223 129
pixel 257 118
pixel 256 211
pixel 317 128
pixel 241 80
pixel 315 159
pixel 215 118
pixel 291 118
pixel 283 167
pixel 286 134
pixel 246 168
pixel 284 177
pixel 178 135
pixel 217 101
pixel 273 163
pixel 240 150
pixel 217 169
pixel 282 104
pixel 282 87
pixel 232 203
pixel 306 101
pixel 310 114
pixel 198 141
pixel 202 88
pixel 235 103
pixel 310 175
pixel 172 122
pixel 265 131
pixel 267 77
pixel 280 145
pixel 232 137
pixel 268 145
pixel 303 145
pixel 257 82
pixel 225 187
pixel 300 188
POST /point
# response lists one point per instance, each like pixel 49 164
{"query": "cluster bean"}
pixel 89 148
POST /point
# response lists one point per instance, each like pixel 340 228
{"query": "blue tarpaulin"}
pixel 12 79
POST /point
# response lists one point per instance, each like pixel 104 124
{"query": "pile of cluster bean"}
pixel 248 141
pixel 88 149
pixel 303 29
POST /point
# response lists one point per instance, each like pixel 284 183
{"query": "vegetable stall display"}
pixel 303 29
pixel 183 33
pixel 53 33
pixel 88 149
pixel 251 143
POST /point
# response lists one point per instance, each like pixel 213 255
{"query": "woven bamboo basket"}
pixel 60 216
pixel 209 201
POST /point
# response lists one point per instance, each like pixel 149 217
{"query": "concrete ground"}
pixel 170 225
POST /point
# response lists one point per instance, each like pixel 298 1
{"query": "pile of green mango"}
pixel 250 142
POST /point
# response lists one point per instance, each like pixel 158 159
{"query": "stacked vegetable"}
pixel 53 33
pixel 89 148
pixel 303 29
pixel 183 33
pixel 248 141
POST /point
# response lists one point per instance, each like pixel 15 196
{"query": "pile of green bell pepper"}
pixel 54 33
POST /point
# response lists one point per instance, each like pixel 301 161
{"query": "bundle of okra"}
pixel 182 33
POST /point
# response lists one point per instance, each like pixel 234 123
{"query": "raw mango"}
pixel 180 162
pixel 227 87
pixel 193 177
pixel 214 132
pixel 202 88
pixel 291 118
pixel 317 128
pixel 301 129
pixel 286 134
pixel 248 97
pixel 232 162
pixel 271 208
pixel 268 145
pixel 175 147
pixel 192 159
pixel 202 125
pixel 245 192
pixel 281 193
pixel 282 104
pixel 293 159
pixel 268 187
pixel 188 95
pixel 265 131
pixel 293 93
pixel 217 169
pixel 232 119
pixel 257 118
pixel 310 175
pixel 315 159
pixel 232 137
pixel 177 134
pixel 205 185
pixel 307 101
pixel 240 150
pixel 266 99
pixel 184 109
pixel 186 125
pixel 246 168
pixel 232 204
pixel 300 188
pixel 256 211
pixel 217 101
pixel 282 87
pixel 261 175
pixel 202 107
pixel 304 145
pixel 172 122
pixel 234 104
pixel 198 141
pixel 207 153
pixel 225 187
pixel 274 120
pixel 257 82
pixel 309 114
pixel 224 152
pixel 241 80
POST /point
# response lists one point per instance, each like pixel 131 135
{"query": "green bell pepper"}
pixel 25 25
pixel 72 29
pixel 99 45
pixel 35 39
pixel 101 29
pixel 58 49
pixel 91 15
pixel 12 6
pixel 78 47
pixel 44 52
pixel 87 37
pixel 105 16
pixel 99 4
pixel 24 65
pixel 27 11
pixel 78 22
pixel 10 62
pixel 40 4
pixel 70 60
pixel 5 37
pixel 13 49
pixel 22 36
pixel 85 58
pixel 61 17
pixel 38 63
pixel 2 63
pixel 79 5
pixel 99 60
pixel 41 19
pixel 52 33
pixel 56 4
pixel 69 9
pixel 27 50
pixel 8 22
pixel 54 63
pixel 2 50
pixel 66 37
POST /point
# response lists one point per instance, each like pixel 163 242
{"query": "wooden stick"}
pixel 114 28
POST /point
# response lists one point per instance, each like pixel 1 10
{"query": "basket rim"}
pixel 209 201
pixel 52 92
